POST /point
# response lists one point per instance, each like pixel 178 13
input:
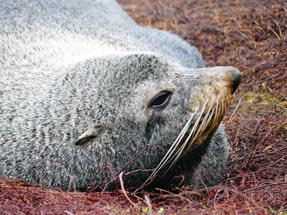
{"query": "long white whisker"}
pixel 170 152
pixel 181 149
pixel 217 110
pixel 204 124
pixel 222 108
pixel 174 145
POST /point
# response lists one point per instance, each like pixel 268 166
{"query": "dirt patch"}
pixel 249 35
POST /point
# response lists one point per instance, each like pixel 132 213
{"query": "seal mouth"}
pixel 201 126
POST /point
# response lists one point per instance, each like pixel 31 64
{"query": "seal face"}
pixel 86 94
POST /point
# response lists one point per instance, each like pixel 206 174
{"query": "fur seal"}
pixel 86 93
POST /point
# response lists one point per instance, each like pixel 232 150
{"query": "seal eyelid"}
pixel 160 100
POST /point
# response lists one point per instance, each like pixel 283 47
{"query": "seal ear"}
pixel 89 134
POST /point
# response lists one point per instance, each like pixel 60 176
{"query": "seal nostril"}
pixel 236 78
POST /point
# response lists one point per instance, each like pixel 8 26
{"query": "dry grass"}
pixel 250 35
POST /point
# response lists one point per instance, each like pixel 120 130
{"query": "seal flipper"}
pixel 89 134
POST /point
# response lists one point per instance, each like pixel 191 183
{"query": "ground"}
pixel 250 35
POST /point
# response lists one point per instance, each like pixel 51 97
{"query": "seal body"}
pixel 86 93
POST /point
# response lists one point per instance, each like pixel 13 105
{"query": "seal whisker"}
pixel 175 144
pixel 222 110
pixel 194 128
pixel 166 157
pixel 178 153
pixel 172 149
pixel 187 141
pixel 202 126
pixel 217 111
pixel 205 122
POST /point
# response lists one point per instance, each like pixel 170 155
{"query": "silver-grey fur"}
pixel 68 67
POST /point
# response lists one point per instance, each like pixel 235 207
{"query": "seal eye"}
pixel 160 100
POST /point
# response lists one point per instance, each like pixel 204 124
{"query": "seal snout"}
pixel 232 74
pixel 235 78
